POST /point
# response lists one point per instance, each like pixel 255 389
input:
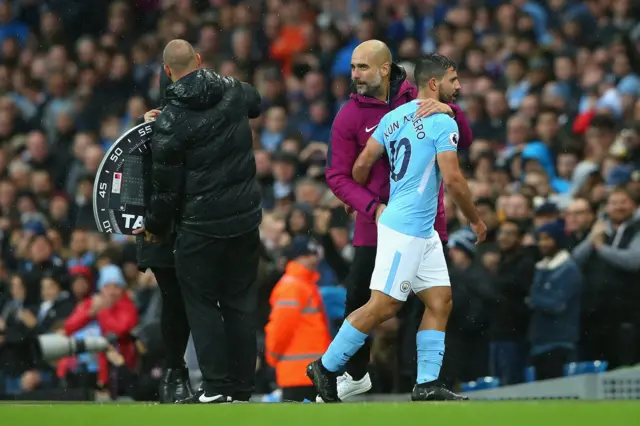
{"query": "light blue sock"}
pixel 344 345
pixel 430 353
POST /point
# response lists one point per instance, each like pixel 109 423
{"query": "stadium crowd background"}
pixel 552 93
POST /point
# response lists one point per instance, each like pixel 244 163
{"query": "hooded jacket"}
pixel 203 171
pixel 351 130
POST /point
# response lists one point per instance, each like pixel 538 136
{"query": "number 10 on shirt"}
pixel 394 148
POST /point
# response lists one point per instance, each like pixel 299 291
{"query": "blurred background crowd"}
pixel 551 89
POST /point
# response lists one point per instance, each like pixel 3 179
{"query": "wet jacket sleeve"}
pixel 253 100
pixel 342 154
pixel 625 259
pixel 464 129
pixel 167 173
pixel 287 304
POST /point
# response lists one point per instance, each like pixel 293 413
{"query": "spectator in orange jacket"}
pixel 114 312
pixel 298 330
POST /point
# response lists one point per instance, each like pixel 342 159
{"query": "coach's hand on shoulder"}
pixel 427 107
pixel 379 211
pixel 151 115
pixel 480 229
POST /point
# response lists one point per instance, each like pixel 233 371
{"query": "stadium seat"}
pixel 275 396
pixel 488 383
pixel 469 386
pixel 586 367
pixel 530 374
pixel 483 383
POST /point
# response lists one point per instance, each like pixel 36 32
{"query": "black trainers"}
pixel 325 381
pixel 175 386
pixel 435 391
pixel 201 397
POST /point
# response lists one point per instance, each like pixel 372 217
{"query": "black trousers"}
pixel 358 293
pixel 218 277
pixel 612 337
pixel 550 364
pixel 299 393
pixel 466 357
pixel 173 322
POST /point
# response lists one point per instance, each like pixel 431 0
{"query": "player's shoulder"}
pixel 405 109
pixel 442 120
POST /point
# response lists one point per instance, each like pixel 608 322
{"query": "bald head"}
pixel 180 58
pixel 375 51
pixel 371 69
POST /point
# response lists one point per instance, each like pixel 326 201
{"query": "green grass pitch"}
pixel 534 413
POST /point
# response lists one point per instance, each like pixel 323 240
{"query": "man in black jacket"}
pixel 508 313
pixel 204 174
pixel 158 256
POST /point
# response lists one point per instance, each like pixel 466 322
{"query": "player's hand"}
pixel 427 107
pixel 480 229
pixel 151 115
pixel 379 211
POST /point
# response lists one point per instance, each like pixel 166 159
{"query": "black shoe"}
pixel 175 386
pixel 325 381
pixel 183 386
pixel 241 396
pixel 435 391
pixel 201 397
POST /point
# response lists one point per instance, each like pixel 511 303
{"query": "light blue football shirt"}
pixel 412 145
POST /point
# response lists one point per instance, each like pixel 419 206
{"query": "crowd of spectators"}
pixel 551 89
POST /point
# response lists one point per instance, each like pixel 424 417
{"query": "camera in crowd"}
pixel 52 347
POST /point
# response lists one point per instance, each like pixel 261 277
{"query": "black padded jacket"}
pixel 203 169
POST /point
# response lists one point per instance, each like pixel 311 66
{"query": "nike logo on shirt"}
pixel 368 130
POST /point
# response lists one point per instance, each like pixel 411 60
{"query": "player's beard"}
pixel 446 97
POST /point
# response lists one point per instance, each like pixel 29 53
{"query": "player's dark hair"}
pixel 432 66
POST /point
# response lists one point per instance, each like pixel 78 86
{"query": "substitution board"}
pixel 118 190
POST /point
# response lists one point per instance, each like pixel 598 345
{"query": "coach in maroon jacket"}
pixel 375 96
